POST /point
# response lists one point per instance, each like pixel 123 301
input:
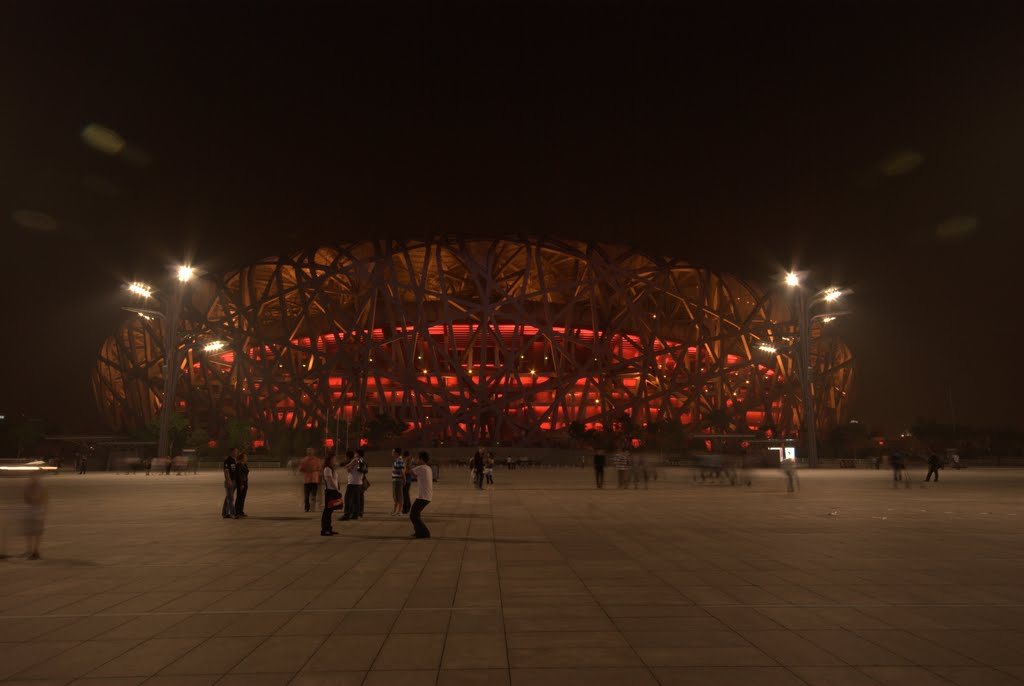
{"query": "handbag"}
pixel 333 499
pixel 366 483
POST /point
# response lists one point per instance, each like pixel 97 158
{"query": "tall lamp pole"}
pixel 804 306
pixel 169 316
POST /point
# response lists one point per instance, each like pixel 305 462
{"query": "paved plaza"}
pixel 544 582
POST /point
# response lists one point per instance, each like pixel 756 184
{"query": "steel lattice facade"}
pixel 476 339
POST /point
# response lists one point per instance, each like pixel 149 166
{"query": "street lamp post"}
pixel 804 306
pixel 169 316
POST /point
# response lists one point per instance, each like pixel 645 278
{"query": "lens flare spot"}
pixel 901 162
pixel 37 221
pixel 105 140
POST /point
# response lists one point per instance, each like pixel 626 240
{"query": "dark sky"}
pixel 745 140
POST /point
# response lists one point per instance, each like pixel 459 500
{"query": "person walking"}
pixel 934 463
pixel 397 482
pixel 227 511
pixel 599 469
pixel 407 483
pixel 622 469
pixel 898 463
pixel 241 483
pixel 425 493
pixel 789 469
pixel 332 496
pixel 311 468
pixel 353 487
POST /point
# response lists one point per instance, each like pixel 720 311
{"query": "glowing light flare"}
pixel 140 289
pixel 832 294
pixel 185 273
pixel 767 348
pixel 826 320
pixel 214 346
pixel 792 279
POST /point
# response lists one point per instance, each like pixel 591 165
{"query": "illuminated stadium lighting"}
pixel 140 289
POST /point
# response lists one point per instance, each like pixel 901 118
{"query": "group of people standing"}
pixel 356 471
pixel 629 469
pixel 236 484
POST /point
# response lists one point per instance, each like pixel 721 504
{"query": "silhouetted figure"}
pixel 934 463
pixel 241 483
pixel 599 469
pixel 227 511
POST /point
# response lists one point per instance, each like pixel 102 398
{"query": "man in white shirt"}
pixel 425 485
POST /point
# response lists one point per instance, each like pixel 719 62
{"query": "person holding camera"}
pixel 355 468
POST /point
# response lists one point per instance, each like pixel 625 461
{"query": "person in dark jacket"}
pixel 934 463
pixel 478 469
pixel 599 469
pixel 241 483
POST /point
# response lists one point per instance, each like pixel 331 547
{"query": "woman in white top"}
pixel 331 496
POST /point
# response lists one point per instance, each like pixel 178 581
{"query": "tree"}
pixel 383 426
pixel 239 433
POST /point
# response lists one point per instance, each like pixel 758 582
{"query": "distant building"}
pixel 468 339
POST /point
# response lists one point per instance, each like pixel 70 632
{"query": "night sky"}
pixel 879 150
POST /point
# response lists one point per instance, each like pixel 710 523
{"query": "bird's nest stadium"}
pixel 472 340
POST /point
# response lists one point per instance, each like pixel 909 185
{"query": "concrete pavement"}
pixel 544 581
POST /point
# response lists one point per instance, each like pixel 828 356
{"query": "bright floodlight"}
pixel 832 294
pixel 140 289
pixel 214 346
pixel 185 273
pixel 792 279
pixel 826 320
pixel 767 348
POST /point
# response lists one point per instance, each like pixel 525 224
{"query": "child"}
pixel 35 514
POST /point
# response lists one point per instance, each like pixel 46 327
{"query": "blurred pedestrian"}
pixel 35 497
pixel 425 493
pixel 311 468
pixel 227 511
pixel 241 483
pixel 397 481
pixel 622 468
pixel 789 469
pixel 898 463
pixel 934 464
pixel 332 496
pixel 599 469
